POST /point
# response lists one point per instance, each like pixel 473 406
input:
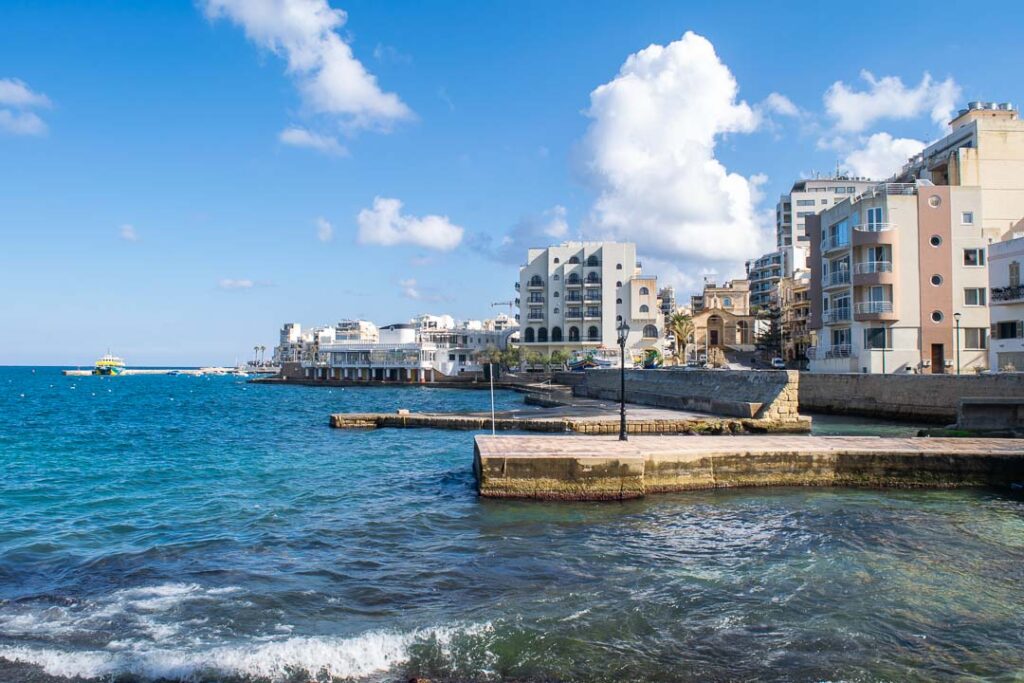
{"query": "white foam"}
pixel 355 657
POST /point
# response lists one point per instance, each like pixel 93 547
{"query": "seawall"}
pixel 923 398
pixel 603 468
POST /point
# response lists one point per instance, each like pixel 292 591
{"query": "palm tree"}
pixel 256 353
pixel 263 353
pixel 681 327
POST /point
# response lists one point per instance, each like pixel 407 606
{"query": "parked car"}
pixel 778 363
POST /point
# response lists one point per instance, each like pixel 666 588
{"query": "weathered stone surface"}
pixel 603 468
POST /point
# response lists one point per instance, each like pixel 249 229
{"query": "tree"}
pixel 770 334
pixel 533 358
pixel 681 327
pixel 558 358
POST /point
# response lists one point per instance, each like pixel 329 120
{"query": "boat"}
pixel 651 359
pixel 109 365
pixel 593 358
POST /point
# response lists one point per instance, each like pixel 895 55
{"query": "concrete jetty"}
pixel 603 468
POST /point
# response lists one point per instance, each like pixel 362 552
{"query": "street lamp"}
pixel 956 316
pixel 623 330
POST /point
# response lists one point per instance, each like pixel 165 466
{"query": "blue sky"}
pixel 480 119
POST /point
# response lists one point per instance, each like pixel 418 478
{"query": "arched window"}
pixel 727 302
pixel 618 284
pixel 556 310
pixel 618 301
pixel 618 318
pixel 593 277
pixel 528 335
pixel 593 334
pixel 557 276
pixel 592 260
pixel 645 308
pixel 556 295
pixel 556 334
pixel 650 331
pixel 574 334
pixel 573 279
pixel 573 259
pixel 542 335
pixel 556 260
pixel 536 281
pixel 618 266
pixel 644 291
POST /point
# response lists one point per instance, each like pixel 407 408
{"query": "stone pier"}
pixel 603 468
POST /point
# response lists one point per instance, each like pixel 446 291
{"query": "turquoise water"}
pixel 206 529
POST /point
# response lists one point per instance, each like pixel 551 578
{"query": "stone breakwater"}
pixel 602 468
pixel 682 423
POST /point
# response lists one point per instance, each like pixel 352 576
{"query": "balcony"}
pixel 535 284
pixel 575 297
pixel 869 267
pixel 535 316
pixel 826 352
pixel 593 296
pixel 574 314
pixel 535 299
pixel 836 315
pixel 875 227
pixel 1007 294
pixel 593 282
pixel 573 282
pixel 870 307
pixel 835 242
pixel 836 278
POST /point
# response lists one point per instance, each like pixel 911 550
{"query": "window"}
pixel 727 302
pixel 573 259
pixel 1008 329
pixel 974 258
pixel 1015 273
pixel 805 202
pixel 974 338
pixel 935 241
pixel 975 296
pixel 574 334
pixel 451 356
pixel 557 260
pixel 592 260
pixel 618 266
pixel 556 295
pixel 650 331
pixel 937 316
pixel 557 277
pixel 556 311
pixel 851 190
pixel 825 201
pixel 542 334
pixel 645 308
pixel 618 284
pixel 528 335
pixel 967 218
pixel 644 291
pixel 618 318
pixel 804 214
pixel 875 217
pixel 593 334
pixel 936 279
pixel 536 281
pixel 556 334
pixel 876 338
pixel 618 301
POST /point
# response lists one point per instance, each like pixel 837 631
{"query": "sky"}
pixel 178 179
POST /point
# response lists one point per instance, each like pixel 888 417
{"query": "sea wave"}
pixel 359 656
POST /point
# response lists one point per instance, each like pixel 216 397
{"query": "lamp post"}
pixel 623 334
pixel 956 316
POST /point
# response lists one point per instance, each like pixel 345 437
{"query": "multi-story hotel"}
pixel 576 294
pixel 899 278
pixel 794 293
pixel 1006 301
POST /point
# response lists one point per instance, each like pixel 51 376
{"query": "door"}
pixel 713 336
pixel 938 359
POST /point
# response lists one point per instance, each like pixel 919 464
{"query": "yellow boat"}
pixel 109 365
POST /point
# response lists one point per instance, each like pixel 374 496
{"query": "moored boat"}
pixel 109 365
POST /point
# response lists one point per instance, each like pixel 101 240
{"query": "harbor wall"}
pixel 762 394
pixel 923 398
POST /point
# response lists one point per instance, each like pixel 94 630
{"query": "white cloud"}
pixel 780 104
pixel 888 98
pixel 324 230
pixel 228 283
pixel 328 76
pixel 128 233
pixel 300 137
pixel 385 225
pixel 409 289
pixel 16 99
pixel 15 93
pixel 882 155
pixel 650 154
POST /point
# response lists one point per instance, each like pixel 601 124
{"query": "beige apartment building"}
pixel 794 295
pixel 900 271
pixel 575 295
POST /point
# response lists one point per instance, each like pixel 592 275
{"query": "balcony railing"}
pixel 835 242
pixel 887 189
pixel 593 282
pixel 875 227
pixel 535 284
pixel 593 296
pixel 573 297
pixel 836 277
pixel 535 316
pixel 836 315
pixel 574 314
pixel 873 307
pixel 574 283
pixel 826 352
pixel 868 267
pixel 535 299
pixel 1008 293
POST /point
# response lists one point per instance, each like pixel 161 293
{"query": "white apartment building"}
pixel 764 274
pixel 808 197
pixel 358 330
pixel 1006 301
pixel 575 295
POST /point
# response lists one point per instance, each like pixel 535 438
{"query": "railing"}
pixel 835 242
pixel 535 299
pixel 826 352
pixel 836 315
pixel 887 188
pixel 593 281
pixel 875 227
pixel 574 315
pixel 592 313
pixel 574 297
pixel 868 267
pixel 836 277
pixel 873 307
pixel 535 316
pixel 593 296
pixel 573 282
pixel 1008 293
pixel 535 284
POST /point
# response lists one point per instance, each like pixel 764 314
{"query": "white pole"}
pixel 491 373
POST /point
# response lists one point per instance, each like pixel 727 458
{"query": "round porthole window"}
pixel 935 201
pixel 936 280
pixel 935 241
pixel 937 316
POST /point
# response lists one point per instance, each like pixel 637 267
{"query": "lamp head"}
pixel 956 316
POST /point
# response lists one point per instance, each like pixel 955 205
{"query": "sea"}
pixel 177 528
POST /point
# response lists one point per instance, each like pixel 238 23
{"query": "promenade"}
pixel 604 468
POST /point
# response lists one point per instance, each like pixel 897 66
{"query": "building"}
pixel 357 330
pixel 806 198
pixel 667 297
pixel 1006 301
pixel 576 294
pixel 899 272
pixel 764 274
pixel 794 297
pixel 722 318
